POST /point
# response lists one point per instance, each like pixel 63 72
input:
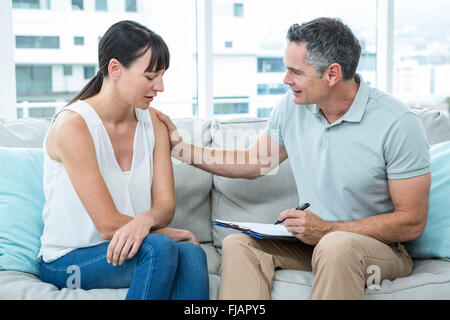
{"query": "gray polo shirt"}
pixel 342 169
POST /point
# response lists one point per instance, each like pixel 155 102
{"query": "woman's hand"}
pixel 178 235
pixel 126 241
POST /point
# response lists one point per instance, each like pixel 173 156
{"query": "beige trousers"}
pixel 343 263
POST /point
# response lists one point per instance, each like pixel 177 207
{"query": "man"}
pixel 358 156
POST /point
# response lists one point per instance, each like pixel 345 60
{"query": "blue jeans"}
pixel 162 270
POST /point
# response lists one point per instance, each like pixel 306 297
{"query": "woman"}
pixel 109 183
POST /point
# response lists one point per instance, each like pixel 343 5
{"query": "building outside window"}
pixel 67 70
pixel 101 5
pixel 422 54
pixel 26 4
pixel 271 65
pixel 89 72
pixel 253 67
pixel 33 80
pixel 238 9
pixel 78 41
pixel 37 42
pixel 130 6
pixel 77 5
pixel 249 38
pixel 272 88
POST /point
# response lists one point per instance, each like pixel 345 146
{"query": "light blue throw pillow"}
pixel 21 203
pixel 435 241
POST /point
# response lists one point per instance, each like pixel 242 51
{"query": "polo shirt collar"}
pixel 358 107
pixel 356 111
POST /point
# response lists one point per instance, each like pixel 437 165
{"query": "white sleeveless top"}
pixel 67 224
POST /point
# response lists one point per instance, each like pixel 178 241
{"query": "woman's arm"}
pixel 126 240
pixel 70 142
pixel 163 186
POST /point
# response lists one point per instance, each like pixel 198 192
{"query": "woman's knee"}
pixel 191 252
pixel 159 245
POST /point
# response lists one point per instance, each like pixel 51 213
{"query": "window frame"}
pixel 384 75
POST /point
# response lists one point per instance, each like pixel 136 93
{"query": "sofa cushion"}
pixel 23 286
pixel 27 133
pixel 16 285
pixel 436 124
pixel 430 279
pixel 259 200
pixel 435 241
pixel 21 203
pixel 192 185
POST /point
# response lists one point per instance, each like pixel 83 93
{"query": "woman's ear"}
pixel 114 69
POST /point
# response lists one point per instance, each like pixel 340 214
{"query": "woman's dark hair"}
pixel 126 41
pixel 328 41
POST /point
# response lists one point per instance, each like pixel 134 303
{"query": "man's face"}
pixel 301 77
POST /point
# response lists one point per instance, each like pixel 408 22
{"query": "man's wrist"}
pixel 330 227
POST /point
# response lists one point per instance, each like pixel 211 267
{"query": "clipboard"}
pixel 258 230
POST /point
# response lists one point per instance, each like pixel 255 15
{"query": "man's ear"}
pixel 114 69
pixel 333 73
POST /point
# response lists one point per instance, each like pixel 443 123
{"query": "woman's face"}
pixel 137 86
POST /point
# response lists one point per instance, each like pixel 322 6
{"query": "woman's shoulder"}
pixel 67 130
pixel 158 125
pixel 69 122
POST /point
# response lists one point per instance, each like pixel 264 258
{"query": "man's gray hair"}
pixel 328 41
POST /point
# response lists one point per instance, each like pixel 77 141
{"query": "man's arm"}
pixel 407 222
pixel 256 161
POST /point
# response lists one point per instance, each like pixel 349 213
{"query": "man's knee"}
pixel 336 247
pixel 235 242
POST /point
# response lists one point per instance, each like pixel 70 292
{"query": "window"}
pixel 35 112
pixel 130 6
pixel 67 70
pixel 230 108
pixel 41 112
pixel 78 41
pixel 238 9
pixel 33 80
pixel 253 67
pixel 244 42
pixel 26 4
pixel 264 112
pixel 37 42
pixel 101 5
pixel 272 88
pixel 271 65
pixel 421 53
pixel 77 5
pixel 89 72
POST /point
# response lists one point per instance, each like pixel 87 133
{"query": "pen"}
pixel 302 207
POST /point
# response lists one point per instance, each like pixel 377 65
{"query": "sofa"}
pixel 202 197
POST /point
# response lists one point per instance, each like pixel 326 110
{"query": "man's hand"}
pixel 171 128
pixel 178 235
pixel 305 225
